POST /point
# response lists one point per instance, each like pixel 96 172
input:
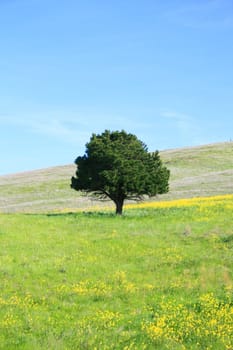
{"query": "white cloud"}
pixel 185 123
pixel 187 128
pixel 71 127
pixel 203 14
pixel 67 130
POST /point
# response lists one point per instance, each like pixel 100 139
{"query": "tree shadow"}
pixel 83 213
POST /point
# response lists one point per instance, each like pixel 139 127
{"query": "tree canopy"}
pixel 117 165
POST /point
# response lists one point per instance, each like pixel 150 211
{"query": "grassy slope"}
pixel 199 171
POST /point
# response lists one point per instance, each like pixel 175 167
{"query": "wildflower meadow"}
pixel 159 277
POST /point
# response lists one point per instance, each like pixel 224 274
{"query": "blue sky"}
pixel 162 70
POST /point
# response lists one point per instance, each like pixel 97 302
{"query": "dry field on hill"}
pixel 195 171
pixel 200 171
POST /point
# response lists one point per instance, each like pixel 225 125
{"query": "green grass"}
pixel 152 279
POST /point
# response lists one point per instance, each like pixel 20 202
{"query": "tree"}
pixel 117 165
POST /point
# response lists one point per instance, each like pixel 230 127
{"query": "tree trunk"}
pixel 119 206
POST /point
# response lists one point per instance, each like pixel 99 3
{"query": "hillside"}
pixel 195 171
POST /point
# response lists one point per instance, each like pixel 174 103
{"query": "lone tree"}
pixel 117 165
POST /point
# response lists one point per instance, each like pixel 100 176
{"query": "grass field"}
pixel 159 277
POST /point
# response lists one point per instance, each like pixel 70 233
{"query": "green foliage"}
pixel 117 165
